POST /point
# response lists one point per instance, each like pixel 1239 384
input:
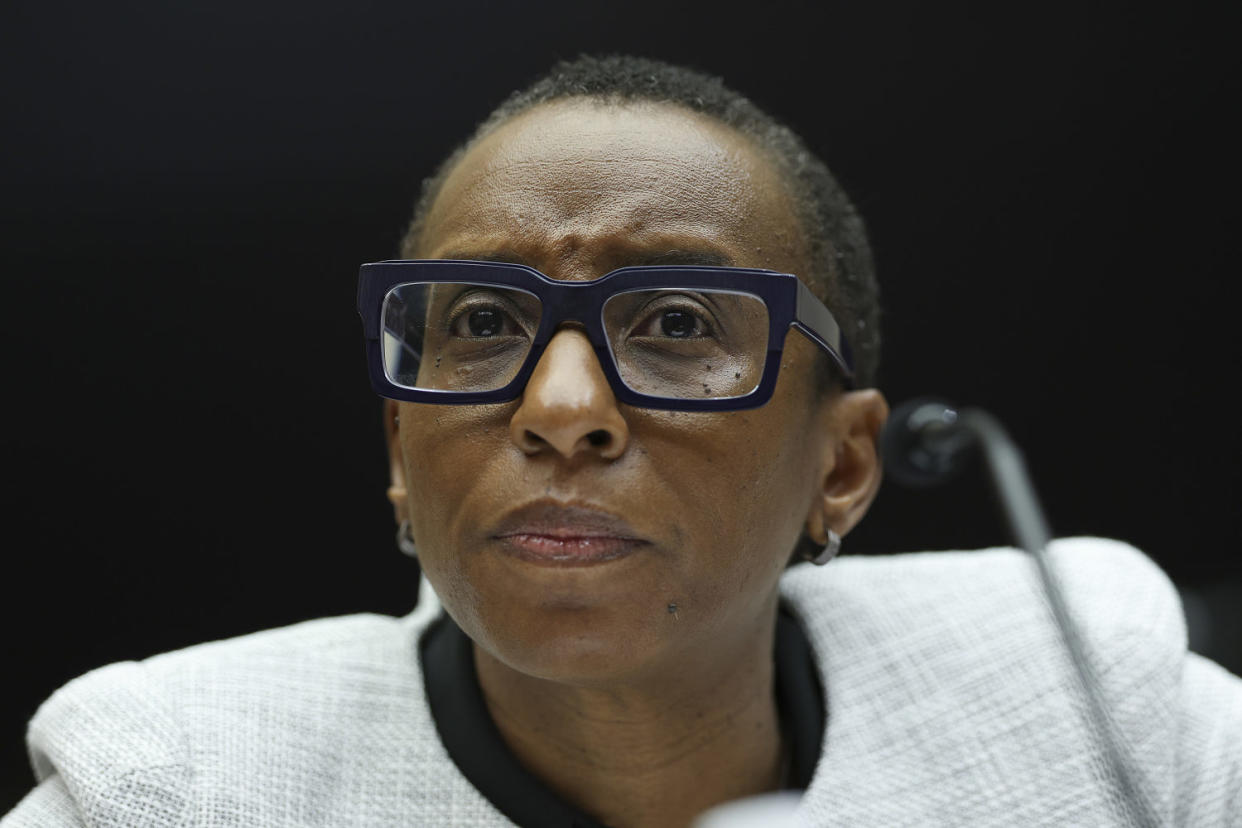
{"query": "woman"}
pixel 611 487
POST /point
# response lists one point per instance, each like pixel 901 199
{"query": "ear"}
pixel 850 469
pixel 397 494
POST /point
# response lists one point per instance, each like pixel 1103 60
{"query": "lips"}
pixel 559 534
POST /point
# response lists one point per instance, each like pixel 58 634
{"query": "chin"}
pixel 578 645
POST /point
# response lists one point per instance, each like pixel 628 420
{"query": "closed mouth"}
pixel 550 532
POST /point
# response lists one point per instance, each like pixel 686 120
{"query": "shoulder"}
pixel 148 734
pixel 1114 590
pixel 931 660
pixel 980 610
pixel 312 653
pixel 293 654
pixel 1078 558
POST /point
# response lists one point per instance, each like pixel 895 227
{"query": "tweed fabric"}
pixel 951 702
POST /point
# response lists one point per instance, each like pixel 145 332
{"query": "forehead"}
pixel 580 182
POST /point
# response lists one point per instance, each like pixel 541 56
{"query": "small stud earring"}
pixel 405 540
pixel 830 550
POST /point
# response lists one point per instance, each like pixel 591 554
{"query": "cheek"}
pixel 739 493
pixel 445 444
pixel 741 484
pixel 772 469
pixel 774 489
pixel 447 449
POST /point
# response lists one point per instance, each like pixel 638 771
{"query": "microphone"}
pixel 923 444
pixel 926 442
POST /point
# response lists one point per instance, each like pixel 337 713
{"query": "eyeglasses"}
pixel 685 338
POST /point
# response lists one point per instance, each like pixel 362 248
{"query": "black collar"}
pixel 476 747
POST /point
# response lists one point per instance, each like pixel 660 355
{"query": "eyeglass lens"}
pixel 665 342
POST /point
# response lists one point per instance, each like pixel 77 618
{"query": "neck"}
pixel 654 751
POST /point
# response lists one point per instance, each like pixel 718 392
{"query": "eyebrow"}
pixel 499 257
pixel 709 258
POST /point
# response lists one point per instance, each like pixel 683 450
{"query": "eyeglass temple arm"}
pixel 815 321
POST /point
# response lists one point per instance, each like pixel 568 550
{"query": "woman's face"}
pixel 577 539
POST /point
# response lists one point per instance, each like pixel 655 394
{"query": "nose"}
pixel 568 406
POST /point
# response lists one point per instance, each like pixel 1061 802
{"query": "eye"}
pixel 483 319
pixel 673 320
pixel 678 324
pixel 483 322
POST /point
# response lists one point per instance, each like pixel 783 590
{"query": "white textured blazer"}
pixel 950 702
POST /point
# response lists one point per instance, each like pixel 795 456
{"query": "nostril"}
pixel 534 439
pixel 599 437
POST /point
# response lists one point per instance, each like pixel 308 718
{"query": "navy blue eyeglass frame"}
pixel 789 301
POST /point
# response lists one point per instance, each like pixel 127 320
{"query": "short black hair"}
pixel 842 268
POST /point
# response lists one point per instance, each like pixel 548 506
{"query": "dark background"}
pixel 1051 188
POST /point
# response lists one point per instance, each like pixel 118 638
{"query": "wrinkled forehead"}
pixel 583 177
